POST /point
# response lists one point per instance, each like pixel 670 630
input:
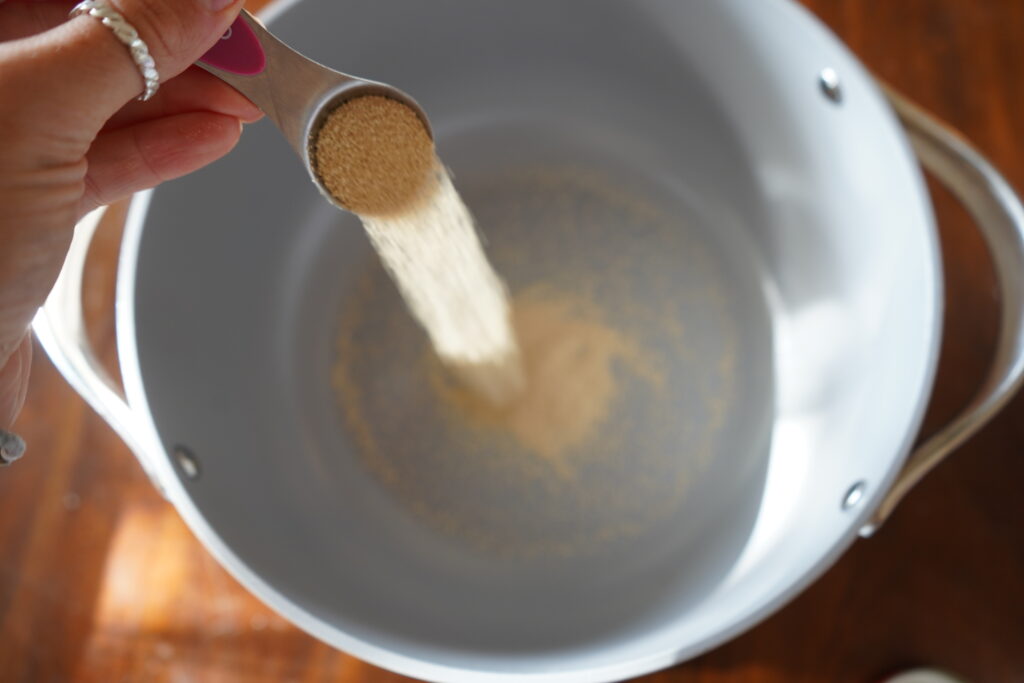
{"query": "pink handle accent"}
pixel 238 51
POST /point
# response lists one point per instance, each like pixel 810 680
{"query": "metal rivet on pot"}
pixel 187 462
pixel 828 79
pixel 854 495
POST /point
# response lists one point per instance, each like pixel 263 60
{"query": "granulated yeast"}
pixel 374 155
pixel 434 256
pixel 376 158
pixel 569 354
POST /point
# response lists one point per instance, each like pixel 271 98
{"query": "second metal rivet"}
pixel 187 463
pixel 828 80
pixel 854 495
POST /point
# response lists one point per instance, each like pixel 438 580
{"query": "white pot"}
pixel 792 170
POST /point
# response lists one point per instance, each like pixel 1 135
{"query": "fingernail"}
pixel 218 5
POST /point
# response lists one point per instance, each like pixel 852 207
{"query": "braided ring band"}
pixel 127 34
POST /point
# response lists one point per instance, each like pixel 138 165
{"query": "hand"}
pixel 72 137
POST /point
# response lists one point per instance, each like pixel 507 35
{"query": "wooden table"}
pixel 100 580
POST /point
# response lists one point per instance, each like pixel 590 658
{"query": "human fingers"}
pixel 77 75
pixel 142 155
pixel 192 90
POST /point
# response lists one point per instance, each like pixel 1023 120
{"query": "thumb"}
pixel 90 73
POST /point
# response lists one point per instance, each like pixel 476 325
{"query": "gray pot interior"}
pixel 677 161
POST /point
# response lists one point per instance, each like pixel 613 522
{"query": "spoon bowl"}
pixel 295 92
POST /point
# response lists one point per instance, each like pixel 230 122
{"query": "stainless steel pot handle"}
pixel 60 328
pixel 998 213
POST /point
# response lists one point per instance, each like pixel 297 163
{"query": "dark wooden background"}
pixel 100 580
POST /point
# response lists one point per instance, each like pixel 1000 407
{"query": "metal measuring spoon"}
pixel 294 92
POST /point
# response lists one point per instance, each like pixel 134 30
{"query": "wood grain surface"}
pixel 101 581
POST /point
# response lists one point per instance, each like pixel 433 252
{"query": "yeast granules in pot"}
pixel 569 355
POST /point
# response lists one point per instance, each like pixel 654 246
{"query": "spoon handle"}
pixel 239 50
pixel 287 86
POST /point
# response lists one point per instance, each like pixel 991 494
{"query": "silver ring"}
pixel 127 34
